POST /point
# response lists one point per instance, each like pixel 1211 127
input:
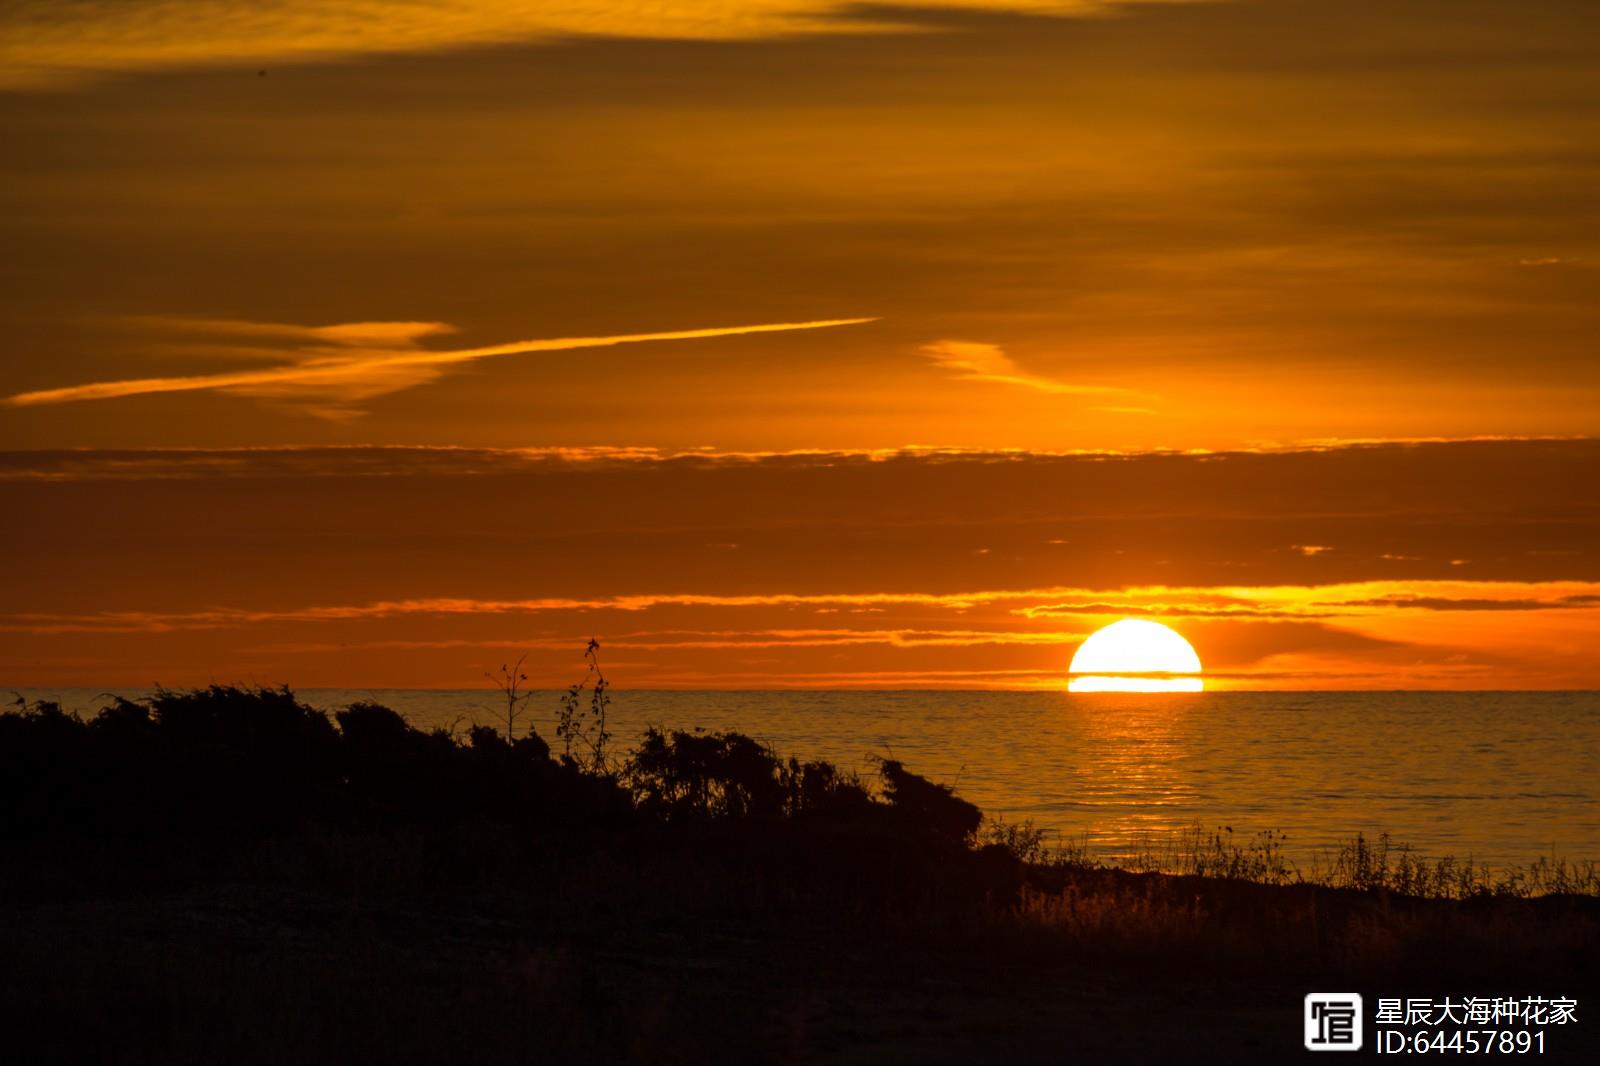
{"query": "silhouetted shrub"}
pixel 123 722
pixel 819 788
pixel 392 771
pixel 928 806
pixel 374 727
pixel 247 758
pixel 41 726
pixel 229 762
pixel 1022 840
pixel 681 774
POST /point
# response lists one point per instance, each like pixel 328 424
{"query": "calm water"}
pixel 1503 777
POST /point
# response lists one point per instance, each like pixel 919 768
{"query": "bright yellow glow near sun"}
pixel 1134 655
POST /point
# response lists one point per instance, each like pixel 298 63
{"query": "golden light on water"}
pixel 1135 655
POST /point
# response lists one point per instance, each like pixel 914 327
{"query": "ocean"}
pixel 1501 777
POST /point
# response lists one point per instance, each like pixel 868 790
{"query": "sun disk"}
pixel 1135 655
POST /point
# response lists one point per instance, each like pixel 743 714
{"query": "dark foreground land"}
pixel 226 876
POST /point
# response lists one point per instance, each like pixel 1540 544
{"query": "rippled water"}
pixel 1502 777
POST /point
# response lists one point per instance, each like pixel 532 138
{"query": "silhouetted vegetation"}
pixel 231 853
pixel 1378 865
pixel 509 681
pixel 586 731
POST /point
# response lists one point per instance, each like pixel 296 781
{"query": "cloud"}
pixel 401 460
pixel 1267 604
pixel 1449 603
pixel 891 521
pixel 338 366
pixel 228 617
pixel 983 636
pixel 976 361
pixel 347 334
pixel 1166 610
pixel 50 44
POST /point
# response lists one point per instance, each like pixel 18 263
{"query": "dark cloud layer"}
pixel 395 523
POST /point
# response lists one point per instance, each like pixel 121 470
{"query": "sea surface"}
pixel 1501 777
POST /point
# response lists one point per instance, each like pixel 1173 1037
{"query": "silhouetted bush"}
pixel 373 727
pixel 819 788
pixel 228 761
pixel 252 759
pixel 228 764
pixel 710 775
pixel 927 806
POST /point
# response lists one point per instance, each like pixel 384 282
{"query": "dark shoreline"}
pixel 229 876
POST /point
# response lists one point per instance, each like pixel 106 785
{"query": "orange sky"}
pixel 784 344
pixel 1470 564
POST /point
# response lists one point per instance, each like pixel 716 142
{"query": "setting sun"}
pixel 1134 655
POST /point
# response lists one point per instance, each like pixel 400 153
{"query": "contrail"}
pixel 366 372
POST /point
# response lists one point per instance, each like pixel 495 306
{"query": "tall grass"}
pixel 1378 865
pixel 1382 865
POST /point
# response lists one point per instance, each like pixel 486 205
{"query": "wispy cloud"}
pixel 392 460
pixel 1049 604
pixel 977 361
pixel 336 367
pixel 52 44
